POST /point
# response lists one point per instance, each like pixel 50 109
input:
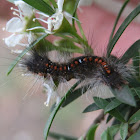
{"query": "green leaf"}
pixel 131 52
pixel 24 52
pixel 54 112
pixel 76 94
pixel 124 109
pixel 66 45
pixel 110 132
pixel 135 117
pixel 106 135
pixel 60 136
pixel 136 63
pixel 108 118
pixel 124 95
pixel 115 122
pixel 121 29
pixel 137 91
pixel 115 113
pixel 113 130
pixel 133 82
pixel 135 136
pixel 124 130
pixel 91 107
pixel 67 29
pixel 113 104
pixel 41 6
pixel 117 19
pixel 91 133
pixel 102 103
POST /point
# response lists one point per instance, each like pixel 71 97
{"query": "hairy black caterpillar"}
pixel 110 72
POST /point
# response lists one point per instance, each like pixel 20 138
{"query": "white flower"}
pixel 17 25
pixel 14 39
pixel 51 93
pixel 54 21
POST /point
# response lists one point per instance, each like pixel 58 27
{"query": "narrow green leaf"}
pixel 60 136
pixel 47 1
pixel 75 7
pixel 121 29
pixel 24 52
pixel 106 135
pixel 51 3
pixel 91 107
pixel 41 6
pixel 91 133
pixel 113 104
pixel 117 19
pixel 54 112
pixel 80 28
pixel 54 3
pixel 74 13
pixel 135 117
pixel 124 95
pixel 135 136
pixel 124 130
pixel 131 52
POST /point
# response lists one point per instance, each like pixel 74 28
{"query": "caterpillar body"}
pixel 110 72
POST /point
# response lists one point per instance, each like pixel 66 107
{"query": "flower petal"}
pixel 13 40
pixel 15 25
pixel 60 5
pixel 68 16
pixel 31 37
pixel 57 23
pixel 26 9
pixel 49 91
pixel 50 26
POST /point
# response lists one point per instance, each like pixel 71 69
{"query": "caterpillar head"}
pixel 118 75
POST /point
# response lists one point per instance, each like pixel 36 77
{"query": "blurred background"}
pixel 24 118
